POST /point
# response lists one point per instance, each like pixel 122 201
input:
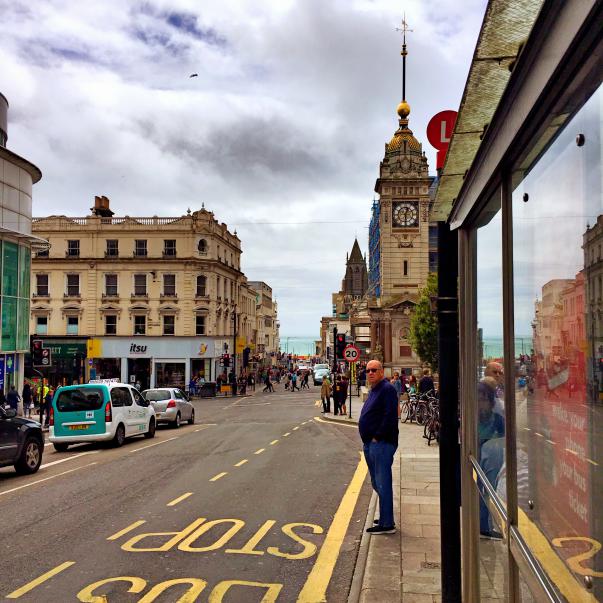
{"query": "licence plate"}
pixel 77 427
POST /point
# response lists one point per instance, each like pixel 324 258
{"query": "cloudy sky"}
pixel 280 135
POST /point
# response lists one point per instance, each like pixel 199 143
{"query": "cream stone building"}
pixel 150 300
pixel 267 325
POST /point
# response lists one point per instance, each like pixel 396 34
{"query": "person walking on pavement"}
pixel 294 382
pixel 45 407
pixel 344 396
pixel 14 400
pixel 304 383
pixel 27 400
pixel 378 427
pixel 325 394
pixel 398 387
pixel 267 383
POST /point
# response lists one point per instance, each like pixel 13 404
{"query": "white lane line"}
pixel 155 444
pixel 39 481
pixel 69 458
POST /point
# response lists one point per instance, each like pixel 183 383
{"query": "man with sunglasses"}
pixel 378 426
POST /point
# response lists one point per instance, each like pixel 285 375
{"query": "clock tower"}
pixel 401 258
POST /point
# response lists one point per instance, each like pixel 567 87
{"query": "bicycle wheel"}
pixel 422 413
pixel 405 411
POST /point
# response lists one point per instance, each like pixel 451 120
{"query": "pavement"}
pixel 405 566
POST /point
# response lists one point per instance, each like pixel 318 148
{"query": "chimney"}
pixel 101 207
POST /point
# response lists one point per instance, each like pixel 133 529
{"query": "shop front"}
pixel 67 361
pixel 528 212
pixel 151 361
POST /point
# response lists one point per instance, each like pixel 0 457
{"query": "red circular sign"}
pixel 439 132
pixel 351 353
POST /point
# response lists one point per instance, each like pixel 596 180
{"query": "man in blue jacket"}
pixel 378 426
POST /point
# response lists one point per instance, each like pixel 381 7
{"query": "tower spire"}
pixel 403 107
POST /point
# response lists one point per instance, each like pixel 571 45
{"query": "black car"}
pixel 21 442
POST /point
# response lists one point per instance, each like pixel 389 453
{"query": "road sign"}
pixel 439 132
pixel 351 353
pixel 46 357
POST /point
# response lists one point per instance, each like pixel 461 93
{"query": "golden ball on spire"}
pixel 403 110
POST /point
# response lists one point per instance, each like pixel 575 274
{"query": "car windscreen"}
pixel 85 398
pixel 154 395
pixel 320 367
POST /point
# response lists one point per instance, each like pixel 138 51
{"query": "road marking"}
pixel 336 423
pixel 316 585
pixel 304 422
pixel 259 451
pixel 286 434
pixel 539 434
pixel 273 442
pixel 551 442
pixel 296 428
pixel 131 527
pixel 572 451
pixel 69 458
pixel 526 429
pixel 241 462
pixel 47 576
pixel 39 481
pixel 215 478
pixel 593 462
pixel 174 502
pixel 155 444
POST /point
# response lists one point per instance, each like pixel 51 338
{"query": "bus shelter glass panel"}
pixel 490 400
pixel 558 289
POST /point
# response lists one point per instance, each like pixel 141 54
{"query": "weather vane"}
pixel 404 29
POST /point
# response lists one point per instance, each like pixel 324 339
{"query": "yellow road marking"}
pixel 174 502
pixel 539 434
pixel 241 462
pixel 296 428
pixel 336 423
pixel 304 422
pixel 47 576
pixel 551 442
pixel 259 451
pixel 273 442
pixel 315 588
pixel 39 481
pixel 593 462
pixel 286 434
pixel 215 478
pixel 131 527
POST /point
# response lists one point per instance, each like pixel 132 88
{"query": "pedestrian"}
pixel 232 379
pixel 426 384
pixel 325 394
pixel 294 382
pixel 27 400
pixel 267 383
pixel 412 385
pixel 344 395
pixel 47 405
pixel 337 395
pixel 378 427
pixel 14 400
pixel 397 383
pixel 192 387
pixel 304 383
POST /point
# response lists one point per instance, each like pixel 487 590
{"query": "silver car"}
pixel 171 405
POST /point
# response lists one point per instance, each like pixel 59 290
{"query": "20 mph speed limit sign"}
pixel 351 353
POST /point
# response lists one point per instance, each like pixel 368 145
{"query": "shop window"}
pixel 140 284
pixel 73 285
pixel 111 285
pixel 10 269
pixel 111 324
pixel 202 247
pixel 169 285
pixel 112 250
pixel 72 325
pixel 140 325
pixel 41 325
pixel 199 325
pixel 201 286
pixel 169 324
pixel 42 289
pixel 140 248
pixel 73 248
pixel 169 247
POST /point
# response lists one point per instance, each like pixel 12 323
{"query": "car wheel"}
pixel 152 427
pixel 191 421
pixel 31 456
pixel 60 447
pixel 176 423
pixel 120 436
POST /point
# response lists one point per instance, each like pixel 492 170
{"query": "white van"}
pixel 101 410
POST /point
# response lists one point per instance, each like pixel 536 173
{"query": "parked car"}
pixel 171 405
pixel 21 442
pixel 102 410
pixel 320 371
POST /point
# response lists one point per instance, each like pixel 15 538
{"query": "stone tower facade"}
pixel 355 282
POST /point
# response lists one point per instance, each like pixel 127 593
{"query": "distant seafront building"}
pixel 17 175
pixel 148 300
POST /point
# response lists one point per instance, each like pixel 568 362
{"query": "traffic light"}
pixel 40 356
pixel 246 353
pixel 226 360
pixel 340 345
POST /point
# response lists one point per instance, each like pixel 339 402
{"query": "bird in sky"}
pixel 193 75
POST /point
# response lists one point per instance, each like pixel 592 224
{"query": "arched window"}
pixel 202 246
pixel 201 285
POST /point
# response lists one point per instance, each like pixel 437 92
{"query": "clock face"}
pixel 405 214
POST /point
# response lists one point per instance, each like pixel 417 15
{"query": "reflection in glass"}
pixel 558 273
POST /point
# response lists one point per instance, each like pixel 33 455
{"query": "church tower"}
pixel 355 282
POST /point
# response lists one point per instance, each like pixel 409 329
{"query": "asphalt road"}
pixel 259 501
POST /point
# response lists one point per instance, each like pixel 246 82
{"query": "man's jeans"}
pixel 379 458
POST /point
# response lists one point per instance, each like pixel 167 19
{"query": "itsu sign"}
pixel 439 133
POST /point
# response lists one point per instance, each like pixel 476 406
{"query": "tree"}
pixel 424 325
